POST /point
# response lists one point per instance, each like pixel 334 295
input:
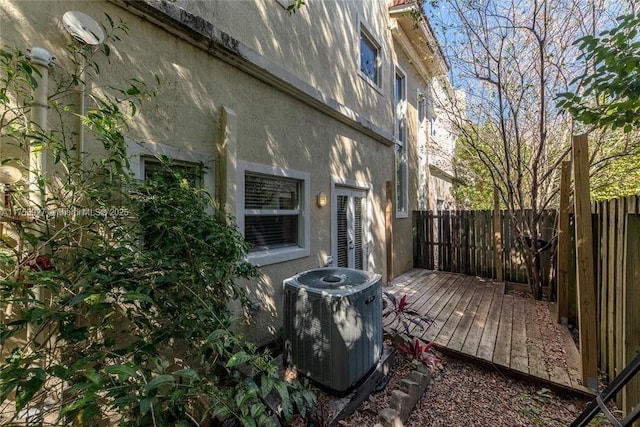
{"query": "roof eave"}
pixel 402 14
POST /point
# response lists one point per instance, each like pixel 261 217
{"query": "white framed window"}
pixel 144 159
pixel 400 137
pixel 423 107
pixel 273 212
pixel 370 57
pixel 154 166
pixel 148 159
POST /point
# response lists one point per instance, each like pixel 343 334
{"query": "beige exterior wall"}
pixel 403 225
pixel 441 146
pixel 418 59
pixel 243 82
pixel 319 44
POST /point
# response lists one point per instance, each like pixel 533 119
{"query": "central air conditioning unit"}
pixel 333 325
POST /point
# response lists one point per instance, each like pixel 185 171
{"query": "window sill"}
pixel 402 215
pixel 275 256
pixel 370 82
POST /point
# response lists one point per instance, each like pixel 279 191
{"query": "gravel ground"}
pixel 464 394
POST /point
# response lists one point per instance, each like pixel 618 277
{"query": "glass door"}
pixel 350 229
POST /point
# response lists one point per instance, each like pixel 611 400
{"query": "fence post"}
pixel 584 264
pixel 497 234
pixel 562 280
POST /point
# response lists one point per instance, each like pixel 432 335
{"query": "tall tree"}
pixel 607 94
pixel 512 57
pixel 605 99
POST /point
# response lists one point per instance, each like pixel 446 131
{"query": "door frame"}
pixel 366 188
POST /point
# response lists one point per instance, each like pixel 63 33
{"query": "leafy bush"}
pixel 115 292
pixel 420 352
pixel 401 314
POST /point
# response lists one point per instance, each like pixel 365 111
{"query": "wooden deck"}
pixel 476 319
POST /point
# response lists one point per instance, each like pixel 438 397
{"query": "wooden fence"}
pixel 618 289
pixel 463 242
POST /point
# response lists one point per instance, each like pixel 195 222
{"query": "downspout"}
pixel 38 168
pixel 82 89
pixel 43 61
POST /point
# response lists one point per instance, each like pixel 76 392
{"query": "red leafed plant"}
pixel 40 263
pixel 420 352
pixel 402 315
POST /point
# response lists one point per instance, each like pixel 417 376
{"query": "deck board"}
pixel 462 330
pixel 490 332
pixel 519 353
pixel 475 332
pixel 537 366
pixel 443 315
pixel 474 318
pixel 502 351
pixel 464 293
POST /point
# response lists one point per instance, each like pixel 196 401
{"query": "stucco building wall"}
pixel 245 83
pixel 269 126
pixel 319 43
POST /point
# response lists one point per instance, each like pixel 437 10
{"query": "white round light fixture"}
pixel 9 175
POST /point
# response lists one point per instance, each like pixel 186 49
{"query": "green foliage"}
pixel 293 7
pixel 115 292
pixel 400 314
pixel 611 95
pixel 535 404
pixel 473 188
pixel 620 176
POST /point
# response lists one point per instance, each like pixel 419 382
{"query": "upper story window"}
pixel 400 107
pixel 369 56
pixel 273 212
pixel 400 126
pixel 423 109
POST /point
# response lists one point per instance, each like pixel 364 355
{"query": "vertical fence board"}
pixel 619 338
pixel 497 235
pixel 563 245
pixel 572 285
pixel 612 215
pixel 602 261
pixel 455 230
pixel 431 230
pixel 465 243
pixel 631 316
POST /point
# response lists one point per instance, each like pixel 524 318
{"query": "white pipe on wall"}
pixel 42 61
